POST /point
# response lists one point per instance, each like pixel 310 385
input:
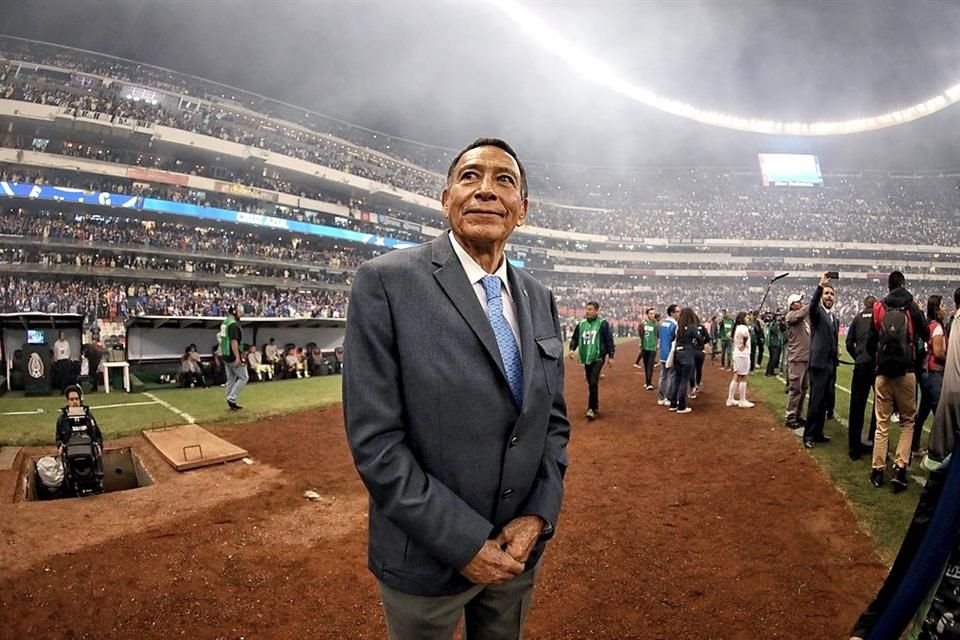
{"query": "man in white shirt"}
pixel 61 362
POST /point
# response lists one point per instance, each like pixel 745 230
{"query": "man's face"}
pixel 829 296
pixel 651 314
pixel 73 399
pixel 676 313
pixel 482 200
pixel 591 312
pixel 60 335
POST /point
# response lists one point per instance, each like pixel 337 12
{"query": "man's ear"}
pixel 523 212
pixel 444 196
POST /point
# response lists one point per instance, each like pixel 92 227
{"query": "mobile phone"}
pixel 833 275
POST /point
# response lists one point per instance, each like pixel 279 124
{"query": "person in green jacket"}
pixel 592 343
pixel 774 344
pixel 726 341
pixel 648 347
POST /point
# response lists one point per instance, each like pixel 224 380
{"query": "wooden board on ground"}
pixel 190 446
pixel 8 457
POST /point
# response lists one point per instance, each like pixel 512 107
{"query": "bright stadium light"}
pixel 602 74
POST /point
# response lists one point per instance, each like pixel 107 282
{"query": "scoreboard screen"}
pixel 790 169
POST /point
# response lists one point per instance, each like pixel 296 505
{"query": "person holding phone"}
pixel 824 359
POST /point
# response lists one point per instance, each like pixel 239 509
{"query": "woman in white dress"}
pixel 741 363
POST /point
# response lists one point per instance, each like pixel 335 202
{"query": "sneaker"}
pixel 899 480
pixel 692 396
pixel 591 414
pixel 746 404
pixel 673 408
pixel 687 410
pixel 732 403
pixel 648 387
pixel 895 418
pixel 876 478
pixel 663 403
pixel 233 405
pixel 638 366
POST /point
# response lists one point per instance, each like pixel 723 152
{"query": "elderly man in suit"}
pixel 824 359
pixel 454 409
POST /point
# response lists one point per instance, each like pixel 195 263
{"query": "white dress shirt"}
pixel 475 274
pixel 61 350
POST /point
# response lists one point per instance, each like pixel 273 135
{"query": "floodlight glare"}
pixel 602 74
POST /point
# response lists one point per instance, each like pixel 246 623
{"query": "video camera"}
pixel 82 462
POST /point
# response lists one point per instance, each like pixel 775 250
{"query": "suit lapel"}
pixel 453 280
pixel 528 345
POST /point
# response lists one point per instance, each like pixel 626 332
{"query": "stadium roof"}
pixel 444 73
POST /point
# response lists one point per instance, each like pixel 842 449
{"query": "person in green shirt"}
pixel 726 341
pixel 592 343
pixel 648 347
pixel 774 343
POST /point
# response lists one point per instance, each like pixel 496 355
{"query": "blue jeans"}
pixel 668 378
pixel 236 379
pixel 930 384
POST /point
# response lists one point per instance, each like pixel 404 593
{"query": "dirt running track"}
pixel 712 525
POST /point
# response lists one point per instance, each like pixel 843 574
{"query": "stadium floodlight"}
pixel 604 75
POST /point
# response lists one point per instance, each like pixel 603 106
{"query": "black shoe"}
pixel 233 406
pixel 809 444
pixel 829 415
pixel 899 480
pixel 855 455
pixel 802 422
pixel 822 439
pixel 876 478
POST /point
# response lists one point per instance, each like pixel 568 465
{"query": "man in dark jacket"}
pixel 858 346
pixel 896 385
pixel 592 342
pixel 757 341
pixel 775 344
pixel 66 428
pixel 824 358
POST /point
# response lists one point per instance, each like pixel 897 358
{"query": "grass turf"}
pixel 882 514
pixel 206 406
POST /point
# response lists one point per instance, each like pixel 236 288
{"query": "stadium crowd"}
pixel 118 300
pixel 207 241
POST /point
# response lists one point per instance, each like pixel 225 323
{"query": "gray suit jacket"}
pixel 446 455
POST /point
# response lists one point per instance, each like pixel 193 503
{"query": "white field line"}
pixel 102 406
pixel 182 414
pixel 124 404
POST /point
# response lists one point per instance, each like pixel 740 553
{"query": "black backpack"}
pixel 896 348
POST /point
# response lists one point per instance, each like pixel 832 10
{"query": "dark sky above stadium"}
pixel 445 72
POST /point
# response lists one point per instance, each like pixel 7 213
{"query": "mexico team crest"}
pixel 35 366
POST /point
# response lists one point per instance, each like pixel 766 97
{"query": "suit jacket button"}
pixel 506 494
pixel 514 441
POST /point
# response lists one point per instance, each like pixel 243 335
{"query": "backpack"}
pixel 896 347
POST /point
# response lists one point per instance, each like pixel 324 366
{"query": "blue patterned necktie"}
pixel 506 341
